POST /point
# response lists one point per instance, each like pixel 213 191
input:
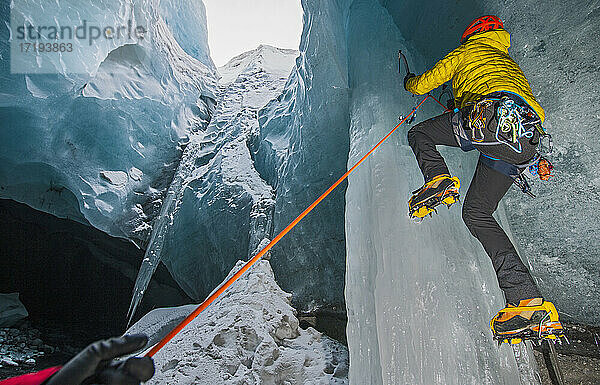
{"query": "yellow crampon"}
pixel 549 328
pixel 448 197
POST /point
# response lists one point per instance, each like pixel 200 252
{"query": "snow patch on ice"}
pixel 117 178
pixel 136 174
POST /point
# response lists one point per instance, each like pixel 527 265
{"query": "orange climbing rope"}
pixel 283 232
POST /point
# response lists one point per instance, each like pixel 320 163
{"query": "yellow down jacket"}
pixel 478 67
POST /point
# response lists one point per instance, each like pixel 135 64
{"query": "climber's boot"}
pixel 442 189
pixel 532 319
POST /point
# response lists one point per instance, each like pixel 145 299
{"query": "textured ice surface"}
pixel 187 21
pixel 559 231
pixel 101 146
pixel 218 209
pixel 302 150
pixel 419 298
pixel 248 336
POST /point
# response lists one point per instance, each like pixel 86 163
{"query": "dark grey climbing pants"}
pixel 485 192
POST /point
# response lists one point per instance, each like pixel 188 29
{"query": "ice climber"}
pixel 497 114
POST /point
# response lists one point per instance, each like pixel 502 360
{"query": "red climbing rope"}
pixel 258 256
pixel 440 103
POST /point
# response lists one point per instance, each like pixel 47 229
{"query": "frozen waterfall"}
pixel 419 297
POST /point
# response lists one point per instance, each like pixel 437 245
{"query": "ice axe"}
pixel 402 59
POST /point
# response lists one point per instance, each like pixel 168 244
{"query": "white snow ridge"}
pixel 248 336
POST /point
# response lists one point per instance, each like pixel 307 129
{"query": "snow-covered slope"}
pixel 218 208
pixel 248 336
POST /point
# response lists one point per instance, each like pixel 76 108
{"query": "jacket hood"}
pixel 497 38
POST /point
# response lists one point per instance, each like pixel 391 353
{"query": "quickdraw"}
pixel 477 119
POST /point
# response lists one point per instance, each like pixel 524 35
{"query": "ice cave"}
pixel 136 176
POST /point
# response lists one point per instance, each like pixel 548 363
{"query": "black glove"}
pixel 95 365
pixel 408 76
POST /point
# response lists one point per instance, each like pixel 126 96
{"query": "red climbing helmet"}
pixel 483 23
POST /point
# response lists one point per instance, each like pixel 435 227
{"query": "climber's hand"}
pixel 95 365
pixel 408 76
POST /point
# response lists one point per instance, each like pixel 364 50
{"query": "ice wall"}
pixel 302 150
pixel 419 297
pixel 218 208
pixel 555 44
pixel 99 139
pixel 559 231
pixel 187 21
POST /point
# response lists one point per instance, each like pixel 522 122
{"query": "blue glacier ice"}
pixel 99 139
pixel 421 296
pixel 557 233
pixel 303 149
pixel 218 209
pixel 418 296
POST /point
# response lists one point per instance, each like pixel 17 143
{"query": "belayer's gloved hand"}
pixel 95 365
pixel 408 76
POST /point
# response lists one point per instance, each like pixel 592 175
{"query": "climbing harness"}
pixel 496 120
